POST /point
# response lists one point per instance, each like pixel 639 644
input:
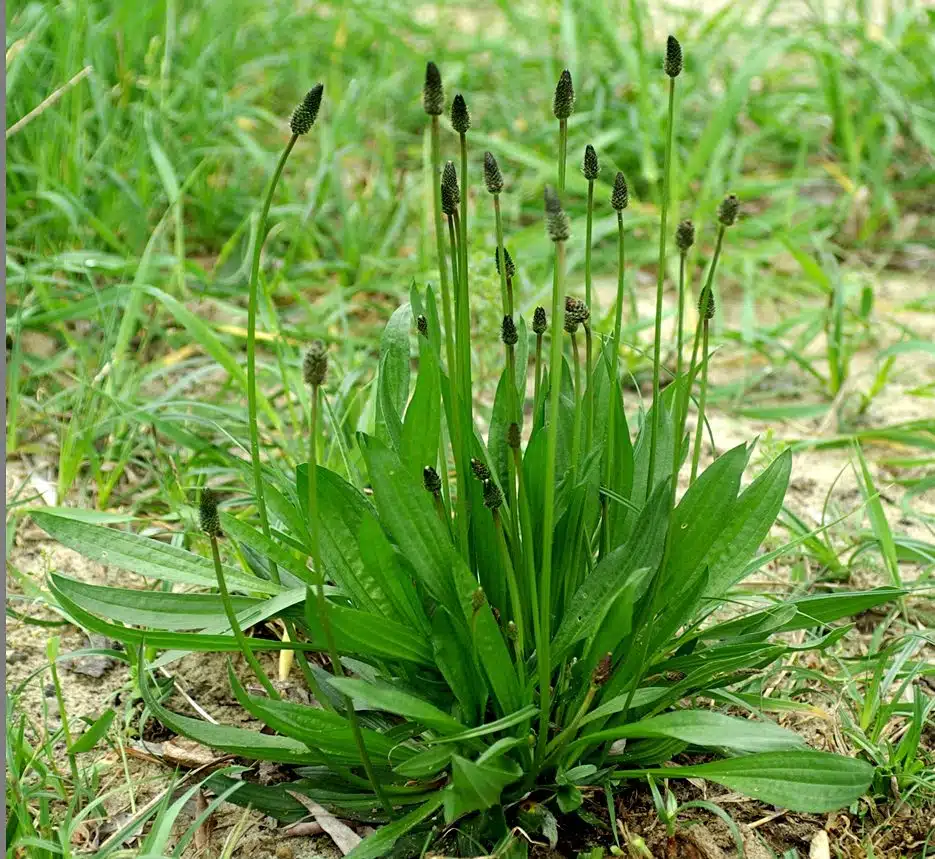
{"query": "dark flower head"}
pixel 620 197
pixel 684 235
pixel 673 63
pixel 706 303
pixel 601 673
pixel 315 366
pixel 513 435
pixel 431 481
pixel 571 323
pixel 422 325
pixel 727 210
pixel 460 117
pixel 305 114
pixel 451 193
pixel 510 267
pixel 208 513
pixel 590 167
pixel 493 497
pixel 564 102
pixel 433 94
pixel 478 598
pixel 493 178
pixel 578 310
pixel 480 470
pixel 539 321
pixel 556 221
pixel 508 331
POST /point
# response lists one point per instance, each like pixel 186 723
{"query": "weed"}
pixel 555 639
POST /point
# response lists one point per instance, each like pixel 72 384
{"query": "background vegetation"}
pixel 132 207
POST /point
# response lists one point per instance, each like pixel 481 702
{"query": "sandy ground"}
pixel 148 766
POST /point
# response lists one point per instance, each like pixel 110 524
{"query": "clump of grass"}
pixel 570 610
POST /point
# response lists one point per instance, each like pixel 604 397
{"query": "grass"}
pixel 137 189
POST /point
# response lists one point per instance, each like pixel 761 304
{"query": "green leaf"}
pixel 342 511
pixel 421 427
pixel 619 577
pixel 491 727
pixel 476 786
pixel 143 556
pixel 359 633
pixel 702 728
pixel 805 781
pixel 426 763
pixel 266 548
pixel 157 609
pixel 187 641
pixel 242 742
pixel 320 730
pixel 393 377
pixel 748 523
pixel 454 656
pixel 407 513
pixel 700 515
pixel 93 735
pixel 501 416
pixel 804 613
pixel 382 696
pixel 383 565
pixel 380 843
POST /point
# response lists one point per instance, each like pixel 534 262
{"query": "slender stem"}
pixel 589 391
pixel 463 225
pixel 587 244
pixel 569 732
pixel 455 255
pixel 462 320
pixel 537 382
pixel 455 429
pixel 235 625
pixel 548 511
pixel 576 434
pixel 660 280
pixel 562 151
pixel 529 553
pixel 680 334
pixel 612 413
pixel 693 367
pixel 516 601
pixel 251 348
pixel 699 429
pixel 504 298
pixel 323 616
pixel 443 471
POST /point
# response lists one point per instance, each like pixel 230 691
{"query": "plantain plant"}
pixel 508 621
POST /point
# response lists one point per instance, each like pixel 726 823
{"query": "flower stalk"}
pixel 673 66
pixel 301 122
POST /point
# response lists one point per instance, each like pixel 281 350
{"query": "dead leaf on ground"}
pixel 203 832
pixel 189 754
pixel 345 838
pixel 303 828
pixel 820 847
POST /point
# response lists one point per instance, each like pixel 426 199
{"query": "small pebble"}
pixel 49 690
pixel 284 851
pixel 14 657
